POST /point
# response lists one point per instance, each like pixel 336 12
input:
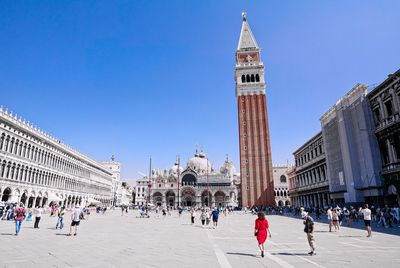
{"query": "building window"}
pixel 377 115
pixel 172 186
pixel 389 108
pixel 257 78
pixel 252 78
pixel 159 185
pixel 243 79
pixel 248 78
pixel 283 179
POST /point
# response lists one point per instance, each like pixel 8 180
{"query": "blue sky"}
pixel 141 78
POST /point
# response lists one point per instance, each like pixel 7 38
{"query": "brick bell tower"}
pixel 255 149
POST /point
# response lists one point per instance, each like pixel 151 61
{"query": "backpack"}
pixel 20 213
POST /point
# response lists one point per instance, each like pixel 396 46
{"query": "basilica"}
pixel 199 184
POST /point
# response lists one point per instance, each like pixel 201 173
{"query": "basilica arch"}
pixel 188 197
pixel 206 198
pixel 219 197
pixel 157 198
pixel 170 198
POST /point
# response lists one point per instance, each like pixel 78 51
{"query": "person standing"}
pixel 60 221
pixel 38 215
pixel 330 219
pixel 367 219
pixel 215 215
pixel 76 219
pixel 19 216
pixel 203 217
pixel 260 231
pixel 309 230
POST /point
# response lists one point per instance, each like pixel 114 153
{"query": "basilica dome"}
pixel 200 164
pixel 174 169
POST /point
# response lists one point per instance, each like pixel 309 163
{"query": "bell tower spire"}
pixel 255 149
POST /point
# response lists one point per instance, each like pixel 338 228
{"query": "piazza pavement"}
pixel 112 240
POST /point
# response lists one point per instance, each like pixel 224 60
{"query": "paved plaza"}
pixel 113 240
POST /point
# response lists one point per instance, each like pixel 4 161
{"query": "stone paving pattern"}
pixel 112 240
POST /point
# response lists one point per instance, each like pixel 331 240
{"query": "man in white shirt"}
pixel 38 215
pixel 329 214
pixel 367 219
pixel 76 219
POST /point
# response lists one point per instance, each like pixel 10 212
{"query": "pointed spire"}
pixel 246 40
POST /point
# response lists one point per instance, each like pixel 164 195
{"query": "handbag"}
pixel 256 233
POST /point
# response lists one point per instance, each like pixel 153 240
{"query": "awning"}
pixel 53 197
pixel 93 201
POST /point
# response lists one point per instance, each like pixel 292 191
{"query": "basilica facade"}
pixel 199 184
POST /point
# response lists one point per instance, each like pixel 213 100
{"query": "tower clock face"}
pixel 248 57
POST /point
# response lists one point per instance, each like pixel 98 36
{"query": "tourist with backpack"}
pixel 19 216
pixel 309 230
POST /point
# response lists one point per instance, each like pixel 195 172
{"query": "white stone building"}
pixel 196 185
pixel 127 193
pixel 114 167
pixel 142 191
pixel 37 169
pixel 281 185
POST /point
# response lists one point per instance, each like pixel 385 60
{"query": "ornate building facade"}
pixel 309 185
pixel 281 184
pixel 196 185
pixel 257 187
pixel 37 169
pixel 385 104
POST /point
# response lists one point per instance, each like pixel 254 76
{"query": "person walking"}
pixel 335 219
pixel 38 215
pixel 192 215
pixel 367 219
pixel 215 215
pixel 60 221
pixel 19 216
pixel 76 219
pixel 203 217
pixel 309 230
pixel 260 231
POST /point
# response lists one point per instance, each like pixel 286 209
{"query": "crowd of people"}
pixel 18 213
pixel 336 216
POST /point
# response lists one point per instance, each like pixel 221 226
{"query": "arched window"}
pixel 248 78
pixel 243 78
pixel 257 78
pixel 252 78
pixel 283 179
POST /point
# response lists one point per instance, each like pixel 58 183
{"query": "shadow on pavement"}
pixel 63 234
pixel 290 254
pixel 242 254
pixel 6 234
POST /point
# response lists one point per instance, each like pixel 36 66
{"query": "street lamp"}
pixel 178 179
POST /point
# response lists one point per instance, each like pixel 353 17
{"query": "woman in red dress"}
pixel 260 231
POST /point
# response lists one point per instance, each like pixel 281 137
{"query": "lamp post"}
pixel 149 184
pixel 178 179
